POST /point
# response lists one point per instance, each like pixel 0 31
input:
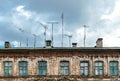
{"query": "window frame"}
pixel 64 70
pixel 42 67
pixel 99 68
pixel 84 68
pixel 8 68
pixel 23 69
pixel 113 68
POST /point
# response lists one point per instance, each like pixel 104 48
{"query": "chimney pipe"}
pixel 48 43
pixel 99 43
pixel 7 44
pixel 74 44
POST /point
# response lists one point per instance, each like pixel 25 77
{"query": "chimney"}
pixel 7 44
pixel 48 43
pixel 74 44
pixel 99 43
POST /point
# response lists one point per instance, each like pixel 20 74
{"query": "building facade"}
pixel 60 64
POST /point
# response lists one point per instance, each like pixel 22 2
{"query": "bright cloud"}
pixel 22 12
pixel 115 14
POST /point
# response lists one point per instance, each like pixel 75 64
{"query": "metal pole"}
pixel 34 40
pixel 84 34
pixel 45 35
pixel 45 28
pixel 27 42
pixel 20 29
pixel 52 23
pixel 69 37
pixel 69 42
pixel 62 30
pixel 20 43
pixel 52 34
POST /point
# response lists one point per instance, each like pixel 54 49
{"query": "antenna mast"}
pixel 62 29
pixel 52 23
pixel 69 36
pixel 85 26
pixel 45 27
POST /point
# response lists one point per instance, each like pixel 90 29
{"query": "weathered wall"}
pixel 53 59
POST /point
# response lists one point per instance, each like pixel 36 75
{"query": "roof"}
pixel 22 50
pixel 62 48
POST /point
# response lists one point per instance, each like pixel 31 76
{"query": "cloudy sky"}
pixel 19 20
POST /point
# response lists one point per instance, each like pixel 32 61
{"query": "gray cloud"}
pixel 76 14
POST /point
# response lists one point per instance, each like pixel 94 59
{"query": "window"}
pixel 42 66
pixel 113 68
pixel 8 68
pixel 98 68
pixel 64 67
pixel 23 68
pixel 84 68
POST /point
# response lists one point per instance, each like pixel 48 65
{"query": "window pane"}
pixel 96 64
pixel 10 64
pixel 84 68
pixel 86 72
pixel 82 72
pixel 81 64
pixel 96 72
pixel 116 64
pixel 64 68
pixel 7 68
pixel 42 63
pixel 115 72
pixel 100 64
pixel 42 72
pixel 22 68
pixel 6 63
pixel 86 64
pixel 111 64
pixel 101 72
pixel 42 66
pixel 113 68
pixel 64 64
pixel 66 72
pixel 98 68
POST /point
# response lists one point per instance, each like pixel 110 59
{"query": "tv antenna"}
pixel 45 28
pixel 62 18
pixel 85 26
pixel 35 36
pixel 21 30
pixel 69 36
pixel 52 23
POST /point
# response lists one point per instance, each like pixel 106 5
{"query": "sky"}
pixel 20 20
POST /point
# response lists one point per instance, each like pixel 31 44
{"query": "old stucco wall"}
pixel 53 59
